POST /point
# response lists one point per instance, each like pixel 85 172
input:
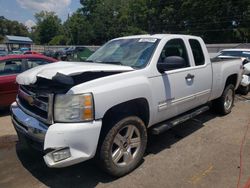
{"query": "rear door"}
pixel 202 71
pixel 8 86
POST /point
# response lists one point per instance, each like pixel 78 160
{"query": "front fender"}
pixel 118 92
pixel 114 90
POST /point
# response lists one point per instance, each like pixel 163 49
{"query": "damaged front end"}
pixel 62 125
pixel 61 83
pixel 39 87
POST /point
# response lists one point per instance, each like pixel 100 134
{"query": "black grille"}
pixel 36 104
pixel 27 106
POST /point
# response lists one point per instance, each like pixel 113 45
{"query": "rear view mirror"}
pixel 170 63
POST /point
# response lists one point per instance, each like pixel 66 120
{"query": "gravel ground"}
pixel 203 152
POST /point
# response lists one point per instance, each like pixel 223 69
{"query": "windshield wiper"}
pixel 110 62
pixel 91 61
pixel 105 62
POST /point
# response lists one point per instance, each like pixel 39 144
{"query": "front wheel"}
pixel 224 104
pixel 124 146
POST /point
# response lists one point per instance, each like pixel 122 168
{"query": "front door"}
pixel 174 89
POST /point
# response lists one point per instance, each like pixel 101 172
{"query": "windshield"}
pixel 236 54
pixel 129 52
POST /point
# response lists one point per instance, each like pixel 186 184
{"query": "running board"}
pixel 164 126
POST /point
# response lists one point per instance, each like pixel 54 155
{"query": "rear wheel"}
pixel 224 104
pixel 124 146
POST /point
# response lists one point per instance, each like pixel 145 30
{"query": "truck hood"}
pixel 63 70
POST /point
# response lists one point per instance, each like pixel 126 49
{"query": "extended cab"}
pixel 105 107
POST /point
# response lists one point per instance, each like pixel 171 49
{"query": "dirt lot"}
pixel 203 152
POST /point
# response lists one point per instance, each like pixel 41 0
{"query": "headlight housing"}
pixel 73 108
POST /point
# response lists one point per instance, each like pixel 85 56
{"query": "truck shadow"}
pixel 157 143
pixel 4 112
pixel 88 174
pixel 85 174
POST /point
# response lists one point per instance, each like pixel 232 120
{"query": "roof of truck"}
pixel 157 36
pixel 235 49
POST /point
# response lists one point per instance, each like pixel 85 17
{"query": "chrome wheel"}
pixel 228 99
pixel 126 145
pixel 123 146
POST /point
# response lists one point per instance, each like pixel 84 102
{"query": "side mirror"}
pixel 170 63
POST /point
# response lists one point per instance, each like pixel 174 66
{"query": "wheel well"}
pixel 232 79
pixel 138 107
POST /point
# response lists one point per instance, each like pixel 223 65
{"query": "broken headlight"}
pixel 73 108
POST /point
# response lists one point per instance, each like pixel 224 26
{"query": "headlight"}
pixel 73 108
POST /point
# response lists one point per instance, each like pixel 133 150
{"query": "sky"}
pixel 24 10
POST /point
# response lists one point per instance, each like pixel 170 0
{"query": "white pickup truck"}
pixel 106 107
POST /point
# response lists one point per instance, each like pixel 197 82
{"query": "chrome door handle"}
pixel 189 77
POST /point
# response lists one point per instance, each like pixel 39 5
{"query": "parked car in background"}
pixel 244 87
pixel 59 53
pixel 10 66
pixel 72 49
pixel 75 53
pixel 3 52
pixel 50 53
pixel 24 49
pixel 235 53
pixel 31 52
pixel 15 52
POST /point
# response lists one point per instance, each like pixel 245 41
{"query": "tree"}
pixel 100 20
pixel 216 21
pixel 8 27
pixel 48 26
pixel 113 18
pixel 78 29
pixel 59 40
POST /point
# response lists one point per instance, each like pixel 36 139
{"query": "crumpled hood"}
pixel 66 68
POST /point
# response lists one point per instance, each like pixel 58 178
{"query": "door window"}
pixel 10 67
pixel 174 47
pixel 197 52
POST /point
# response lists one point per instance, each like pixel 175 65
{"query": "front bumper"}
pixel 80 138
pixel 245 80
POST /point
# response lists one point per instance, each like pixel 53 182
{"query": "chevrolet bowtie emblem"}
pixel 27 97
pixel 30 100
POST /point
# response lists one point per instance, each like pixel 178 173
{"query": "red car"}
pixel 31 52
pixel 12 65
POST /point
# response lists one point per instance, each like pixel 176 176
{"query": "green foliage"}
pixel 48 26
pixel 97 21
pixel 215 21
pixel 8 27
pixel 58 40
pixel 78 29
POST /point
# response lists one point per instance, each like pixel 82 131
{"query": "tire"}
pixel 243 90
pixel 224 104
pixel 123 146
